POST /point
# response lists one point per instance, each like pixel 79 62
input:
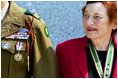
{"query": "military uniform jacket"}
pixel 41 61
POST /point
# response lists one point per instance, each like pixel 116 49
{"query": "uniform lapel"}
pixel 81 60
pixel 12 21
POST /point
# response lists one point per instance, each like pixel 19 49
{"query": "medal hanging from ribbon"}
pixel 108 63
pixel 18 56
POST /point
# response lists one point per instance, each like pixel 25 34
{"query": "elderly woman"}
pixel 94 55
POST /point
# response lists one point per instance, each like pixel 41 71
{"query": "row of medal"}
pixel 22 34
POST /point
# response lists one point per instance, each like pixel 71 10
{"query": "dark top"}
pixel 92 72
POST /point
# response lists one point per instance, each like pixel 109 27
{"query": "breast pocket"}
pixel 10 46
pixel 10 65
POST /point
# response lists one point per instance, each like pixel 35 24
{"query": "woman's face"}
pixel 96 21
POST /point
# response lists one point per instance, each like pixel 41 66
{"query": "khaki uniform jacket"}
pixel 41 62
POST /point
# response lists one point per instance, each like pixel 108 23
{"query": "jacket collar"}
pixel 13 20
pixel 115 66
pixel 114 37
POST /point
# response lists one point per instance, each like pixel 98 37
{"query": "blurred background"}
pixel 63 18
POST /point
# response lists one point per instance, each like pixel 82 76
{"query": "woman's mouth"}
pixel 91 29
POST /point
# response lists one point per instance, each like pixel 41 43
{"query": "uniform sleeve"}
pixel 43 60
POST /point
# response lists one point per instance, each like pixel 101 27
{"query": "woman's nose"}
pixel 90 21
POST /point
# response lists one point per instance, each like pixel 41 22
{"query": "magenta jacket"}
pixel 71 56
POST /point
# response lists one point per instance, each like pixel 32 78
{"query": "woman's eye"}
pixel 97 17
pixel 86 16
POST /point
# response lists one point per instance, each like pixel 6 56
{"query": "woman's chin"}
pixel 91 36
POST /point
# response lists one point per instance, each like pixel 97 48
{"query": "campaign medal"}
pixel 5 45
pixel 18 55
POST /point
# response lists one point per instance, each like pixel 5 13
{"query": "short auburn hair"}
pixel 111 7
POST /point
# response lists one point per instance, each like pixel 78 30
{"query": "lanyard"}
pixel 108 63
